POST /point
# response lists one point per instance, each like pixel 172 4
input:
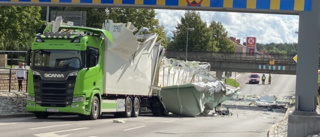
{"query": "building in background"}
pixel 240 48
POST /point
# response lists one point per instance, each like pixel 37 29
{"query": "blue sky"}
pixel 267 28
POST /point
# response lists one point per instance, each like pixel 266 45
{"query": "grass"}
pixel 9 66
pixel 232 82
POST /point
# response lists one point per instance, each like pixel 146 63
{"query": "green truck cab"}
pixel 86 71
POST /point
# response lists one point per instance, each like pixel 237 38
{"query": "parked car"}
pixel 254 78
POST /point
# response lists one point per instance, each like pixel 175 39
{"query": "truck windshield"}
pixel 57 59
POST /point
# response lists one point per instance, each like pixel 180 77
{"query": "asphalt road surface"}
pixel 246 121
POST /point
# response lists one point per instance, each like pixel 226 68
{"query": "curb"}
pixel 271 132
pixel 16 115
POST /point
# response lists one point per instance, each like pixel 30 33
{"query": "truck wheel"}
pixel 136 107
pixel 41 115
pixel 95 109
pixel 128 107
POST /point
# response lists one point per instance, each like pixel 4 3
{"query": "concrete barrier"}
pixel 302 124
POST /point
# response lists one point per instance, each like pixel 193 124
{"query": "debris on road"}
pixel 118 121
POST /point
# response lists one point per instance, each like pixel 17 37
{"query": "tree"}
pixel 18 26
pixel 198 39
pixel 278 48
pixel 219 41
pixel 139 18
pixel 95 16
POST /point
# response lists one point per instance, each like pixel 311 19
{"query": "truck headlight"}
pixel 75 40
pixel 31 98
pixel 36 73
pixel 39 40
pixel 78 99
pixel 73 73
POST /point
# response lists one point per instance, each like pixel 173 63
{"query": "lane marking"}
pixel 49 126
pixel 134 128
pixel 3 124
pixel 53 134
pixel 168 121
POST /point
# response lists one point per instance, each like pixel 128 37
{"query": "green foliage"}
pixel 278 48
pixel 95 16
pixel 219 40
pixel 198 39
pixel 232 82
pixel 139 18
pixel 18 26
pixel 202 38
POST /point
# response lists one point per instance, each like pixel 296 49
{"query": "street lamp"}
pixel 191 29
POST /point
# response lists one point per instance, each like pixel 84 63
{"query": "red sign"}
pixel 251 42
pixel 194 2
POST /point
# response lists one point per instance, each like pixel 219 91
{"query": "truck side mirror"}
pixel 28 57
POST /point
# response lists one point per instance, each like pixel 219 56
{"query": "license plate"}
pixel 52 110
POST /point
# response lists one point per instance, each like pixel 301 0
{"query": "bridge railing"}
pixel 232 57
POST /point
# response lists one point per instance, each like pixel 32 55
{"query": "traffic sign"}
pixel 295 58
pixel 251 42
pixel 271 62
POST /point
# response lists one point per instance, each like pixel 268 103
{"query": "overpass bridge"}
pixel 241 62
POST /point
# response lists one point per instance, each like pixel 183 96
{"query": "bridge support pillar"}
pixel 219 74
pixel 304 120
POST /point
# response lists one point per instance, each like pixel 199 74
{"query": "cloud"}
pixel 267 28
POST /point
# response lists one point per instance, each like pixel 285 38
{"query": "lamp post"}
pixel 191 29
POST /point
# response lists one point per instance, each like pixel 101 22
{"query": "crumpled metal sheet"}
pixel 188 89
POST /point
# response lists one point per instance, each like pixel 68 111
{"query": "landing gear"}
pixel 157 108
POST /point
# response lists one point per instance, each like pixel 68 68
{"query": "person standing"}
pixel 263 78
pixel 20 75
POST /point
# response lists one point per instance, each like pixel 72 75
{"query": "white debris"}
pixel 118 121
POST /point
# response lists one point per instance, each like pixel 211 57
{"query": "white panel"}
pixel 128 65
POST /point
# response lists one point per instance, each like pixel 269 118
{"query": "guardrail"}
pixel 7 71
pixel 7 79
pixel 231 57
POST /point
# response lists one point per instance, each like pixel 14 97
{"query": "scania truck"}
pixel 88 71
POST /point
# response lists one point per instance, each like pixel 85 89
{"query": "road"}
pixel 246 121
pixel 281 85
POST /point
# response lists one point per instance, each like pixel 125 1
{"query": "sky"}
pixel 267 28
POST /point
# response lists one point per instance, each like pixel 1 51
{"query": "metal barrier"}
pixel 7 77
pixel 7 69
pixel 231 57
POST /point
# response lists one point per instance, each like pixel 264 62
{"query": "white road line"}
pixel 49 126
pixel 53 134
pixel 4 124
pixel 168 121
pixel 134 128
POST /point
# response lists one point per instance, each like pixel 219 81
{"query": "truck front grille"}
pixel 54 93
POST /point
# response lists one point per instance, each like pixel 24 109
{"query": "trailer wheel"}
pixel 95 109
pixel 136 107
pixel 128 107
pixel 41 115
